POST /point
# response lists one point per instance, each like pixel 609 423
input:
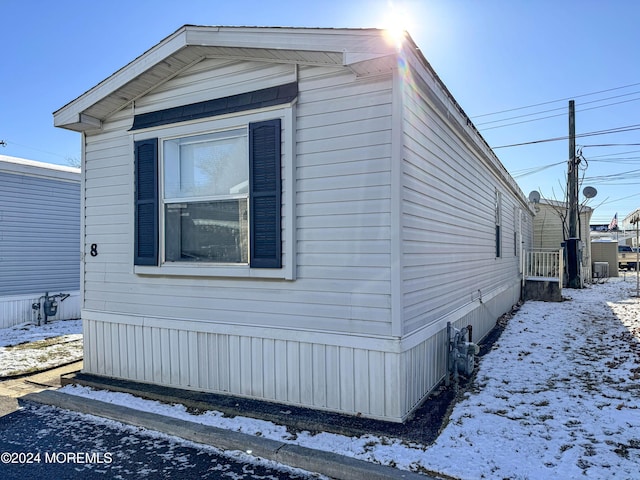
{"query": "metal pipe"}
pixel 46 298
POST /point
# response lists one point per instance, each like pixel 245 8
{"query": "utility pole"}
pixel 573 257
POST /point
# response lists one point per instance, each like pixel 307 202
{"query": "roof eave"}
pixel 353 47
pixel 70 115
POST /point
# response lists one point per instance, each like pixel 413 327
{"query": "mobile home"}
pixel 289 214
pixel 39 241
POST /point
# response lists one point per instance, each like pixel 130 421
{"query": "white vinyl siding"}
pixel 215 78
pixel 549 230
pixel 449 218
pixel 342 211
pixel 343 186
pixel 108 209
pixel 39 231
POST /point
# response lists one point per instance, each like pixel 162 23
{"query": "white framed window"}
pixel 205 198
pixel 209 177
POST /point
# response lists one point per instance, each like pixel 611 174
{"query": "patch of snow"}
pixel 19 354
pixel 30 332
pixel 557 397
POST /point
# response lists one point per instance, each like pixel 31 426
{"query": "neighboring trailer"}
pixel 289 214
pixel 39 240
pixel 550 230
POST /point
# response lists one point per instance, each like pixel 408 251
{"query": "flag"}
pixel 614 223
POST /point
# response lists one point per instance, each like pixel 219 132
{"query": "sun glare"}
pixel 396 25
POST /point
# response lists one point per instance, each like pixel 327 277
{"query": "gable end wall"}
pixel 321 340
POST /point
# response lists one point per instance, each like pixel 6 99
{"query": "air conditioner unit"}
pixel 600 270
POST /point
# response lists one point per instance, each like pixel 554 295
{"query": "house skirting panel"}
pixel 424 357
pixel 368 376
pixel 274 366
pixel 17 309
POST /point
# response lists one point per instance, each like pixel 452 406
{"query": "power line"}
pixel 533 142
pixel 554 101
pixel 563 108
pixel 618 199
pixel 522 116
pixel 612 176
pixel 552 116
pixel 523 121
pixel 533 170
pixel 612 144
pixel 3 143
pixel 616 183
pixel 614 154
pixel 616 159
pixel 627 128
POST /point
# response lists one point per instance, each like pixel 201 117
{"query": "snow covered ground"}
pixel 557 397
pixel 29 348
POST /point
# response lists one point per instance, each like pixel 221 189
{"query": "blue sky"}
pixel 493 55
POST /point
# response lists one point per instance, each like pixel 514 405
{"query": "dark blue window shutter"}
pixel 265 194
pixel 146 202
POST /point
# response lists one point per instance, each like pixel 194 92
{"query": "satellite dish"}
pixel 589 192
pixel 534 197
